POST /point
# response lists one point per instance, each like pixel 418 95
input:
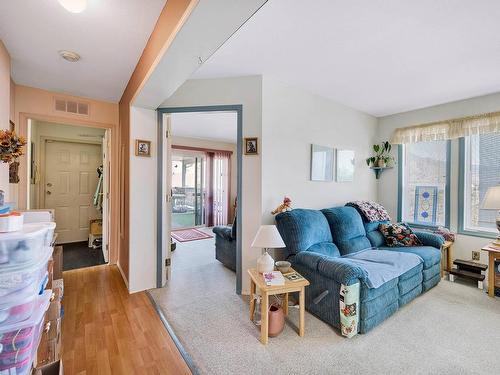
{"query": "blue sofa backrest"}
pixel 348 231
pixel 306 230
pixel 376 238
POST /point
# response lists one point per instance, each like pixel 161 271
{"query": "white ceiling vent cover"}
pixel 71 106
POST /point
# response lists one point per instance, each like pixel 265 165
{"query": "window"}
pixel 480 170
pixel 424 181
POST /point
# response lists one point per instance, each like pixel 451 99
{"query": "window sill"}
pixel 423 226
pixel 477 234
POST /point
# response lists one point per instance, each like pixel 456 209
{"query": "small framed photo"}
pixel 251 146
pixel 142 147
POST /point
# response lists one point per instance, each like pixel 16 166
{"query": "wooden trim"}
pixel 201 149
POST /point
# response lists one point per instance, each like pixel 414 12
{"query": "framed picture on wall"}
pixel 142 147
pixel 345 166
pixel 251 146
pixel 322 159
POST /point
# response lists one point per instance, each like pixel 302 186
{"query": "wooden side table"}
pixel 257 280
pixel 493 253
pixel 446 256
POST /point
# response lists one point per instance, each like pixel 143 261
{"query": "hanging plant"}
pixel 11 146
pixel 382 156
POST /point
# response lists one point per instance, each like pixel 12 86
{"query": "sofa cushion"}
pixel 374 236
pixel 399 235
pixel 348 231
pixel 302 228
pixel 430 255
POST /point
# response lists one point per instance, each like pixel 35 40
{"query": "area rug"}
pixel 451 329
pixel 192 234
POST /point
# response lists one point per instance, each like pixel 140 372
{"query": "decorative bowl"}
pixel 283 266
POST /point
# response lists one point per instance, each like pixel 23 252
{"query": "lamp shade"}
pixel 492 199
pixel 268 237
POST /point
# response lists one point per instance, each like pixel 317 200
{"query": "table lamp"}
pixel 267 237
pixel 492 202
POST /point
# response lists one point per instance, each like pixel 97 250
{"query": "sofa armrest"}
pixel 223 232
pixel 340 270
pixel 430 239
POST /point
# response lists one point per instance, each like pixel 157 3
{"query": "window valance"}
pixel 448 129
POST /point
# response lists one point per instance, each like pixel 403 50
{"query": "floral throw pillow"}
pixel 399 235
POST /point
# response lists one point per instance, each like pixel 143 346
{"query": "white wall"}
pixel 388 183
pixel 142 201
pixel 292 120
pixel 246 91
pixel 215 145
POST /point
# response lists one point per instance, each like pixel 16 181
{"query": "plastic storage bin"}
pixel 19 341
pixel 25 245
pixel 17 277
pixel 19 306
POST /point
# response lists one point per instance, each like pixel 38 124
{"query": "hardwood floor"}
pixel 108 331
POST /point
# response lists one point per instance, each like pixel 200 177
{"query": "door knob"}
pixel 49 192
pixel 49 184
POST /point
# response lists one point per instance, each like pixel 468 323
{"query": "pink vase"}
pixel 276 320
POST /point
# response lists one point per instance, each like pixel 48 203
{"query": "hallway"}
pixel 108 331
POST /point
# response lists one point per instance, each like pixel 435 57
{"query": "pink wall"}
pixel 5 107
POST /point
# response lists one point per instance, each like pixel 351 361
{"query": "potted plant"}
pixel 382 156
pixel 11 147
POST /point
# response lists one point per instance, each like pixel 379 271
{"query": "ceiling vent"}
pixel 71 106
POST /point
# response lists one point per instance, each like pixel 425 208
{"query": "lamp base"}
pixel 265 263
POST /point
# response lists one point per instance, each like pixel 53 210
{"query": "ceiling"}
pixel 380 57
pixel 214 126
pixel 109 35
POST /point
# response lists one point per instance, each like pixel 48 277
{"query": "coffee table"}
pixel 257 281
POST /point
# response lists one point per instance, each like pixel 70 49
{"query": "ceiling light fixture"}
pixel 74 6
pixel 69 56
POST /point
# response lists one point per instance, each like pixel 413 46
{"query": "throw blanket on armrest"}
pixel 372 211
pixel 349 306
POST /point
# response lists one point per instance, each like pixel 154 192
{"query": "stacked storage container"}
pixel 24 256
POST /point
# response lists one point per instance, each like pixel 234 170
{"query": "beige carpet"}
pixel 452 329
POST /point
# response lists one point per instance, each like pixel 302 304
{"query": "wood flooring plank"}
pixel 106 330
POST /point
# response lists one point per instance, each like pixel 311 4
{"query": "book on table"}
pixel 293 276
pixel 273 278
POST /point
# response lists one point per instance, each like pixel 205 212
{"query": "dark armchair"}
pixel 225 245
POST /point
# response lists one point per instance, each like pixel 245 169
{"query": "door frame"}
pixel 161 195
pixel 114 203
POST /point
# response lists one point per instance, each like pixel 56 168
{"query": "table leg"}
pixel 302 307
pixel 264 325
pixel 449 257
pixel 491 275
pixel 252 299
pixel 285 304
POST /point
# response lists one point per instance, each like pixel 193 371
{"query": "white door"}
pixel 106 147
pixel 70 184
pixel 167 190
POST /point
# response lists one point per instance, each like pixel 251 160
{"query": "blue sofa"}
pixel 316 243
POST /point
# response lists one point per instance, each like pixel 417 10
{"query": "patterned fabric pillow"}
pixel 399 235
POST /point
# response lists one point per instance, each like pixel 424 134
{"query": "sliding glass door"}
pixel 188 189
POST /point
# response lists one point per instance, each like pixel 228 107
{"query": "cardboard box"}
pixel 57 256
pixel 50 271
pixel 55 368
pixel 96 227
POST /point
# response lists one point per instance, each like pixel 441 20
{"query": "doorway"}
pixel 68 173
pixel 204 197
pixel 188 189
